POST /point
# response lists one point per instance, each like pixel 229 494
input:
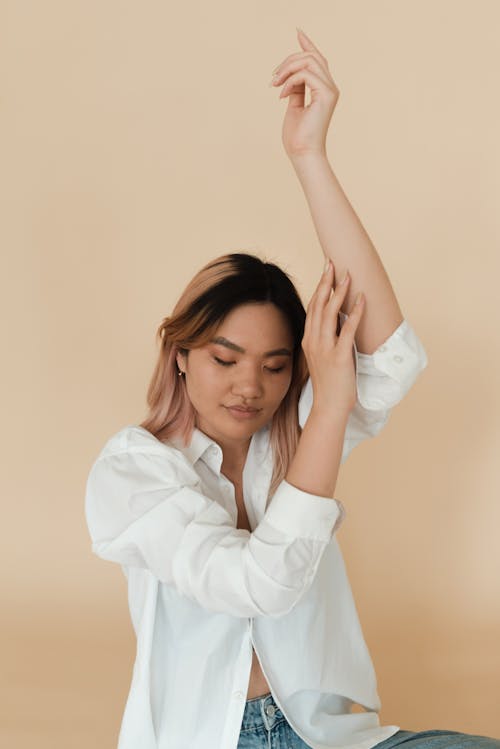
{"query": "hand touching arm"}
pixel 315 465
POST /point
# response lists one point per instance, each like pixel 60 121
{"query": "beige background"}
pixel 141 140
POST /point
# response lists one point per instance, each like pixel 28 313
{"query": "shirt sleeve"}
pixel 382 380
pixel 143 510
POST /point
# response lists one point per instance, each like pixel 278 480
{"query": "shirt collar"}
pixel 202 447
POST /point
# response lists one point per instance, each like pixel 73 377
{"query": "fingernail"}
pixel 344 279
pixel 358 298
pixel 327 266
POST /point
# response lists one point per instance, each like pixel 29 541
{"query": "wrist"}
pixel 334 417
pixel 310 156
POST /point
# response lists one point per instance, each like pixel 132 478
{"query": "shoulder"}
pixel 135 446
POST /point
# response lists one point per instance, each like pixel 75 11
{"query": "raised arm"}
pixel 345 241
pixel 340 232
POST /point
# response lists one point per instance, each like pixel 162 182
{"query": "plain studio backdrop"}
pixel 140 140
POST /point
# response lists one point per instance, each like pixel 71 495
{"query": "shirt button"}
pixel 382 348
pixel 270 710
pixel 399 359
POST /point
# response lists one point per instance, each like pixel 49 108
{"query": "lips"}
pixel 244 410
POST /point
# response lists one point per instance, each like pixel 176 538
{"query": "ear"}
pixel 181 361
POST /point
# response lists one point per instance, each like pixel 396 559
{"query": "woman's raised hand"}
pixel 305 127
pixel 330 357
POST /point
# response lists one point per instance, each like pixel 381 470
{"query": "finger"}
pixel 350 325
pixel 325 278
pixel 293 66
pixel 307 43
pixel 328 332
pixel 319 301
pixel 293 58
pixel 317 85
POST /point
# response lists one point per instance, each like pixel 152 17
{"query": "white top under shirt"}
pixel 202 592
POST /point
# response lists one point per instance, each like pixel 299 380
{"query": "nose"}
pixel 248 385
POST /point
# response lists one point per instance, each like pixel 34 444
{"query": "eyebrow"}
pixel 229 344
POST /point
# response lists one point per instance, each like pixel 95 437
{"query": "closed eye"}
pixel 228 364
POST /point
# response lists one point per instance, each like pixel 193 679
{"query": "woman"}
pixel 219 506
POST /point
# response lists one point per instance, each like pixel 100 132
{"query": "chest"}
pixel 243 521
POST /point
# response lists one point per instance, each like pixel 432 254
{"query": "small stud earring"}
pixel 180 372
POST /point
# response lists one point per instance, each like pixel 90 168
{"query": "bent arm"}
pixel 315 465
pixel 383 379
pixel 143 511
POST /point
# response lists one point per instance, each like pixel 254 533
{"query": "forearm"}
pixel 315 465
pixel 344 240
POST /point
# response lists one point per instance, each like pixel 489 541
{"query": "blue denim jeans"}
pixel 265 727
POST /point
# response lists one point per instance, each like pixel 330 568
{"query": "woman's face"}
pixel 237 369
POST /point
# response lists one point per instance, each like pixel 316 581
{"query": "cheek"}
pixel 210 382
pixel 281 388
pixel 214 378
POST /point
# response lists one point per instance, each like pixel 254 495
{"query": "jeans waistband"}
pixel 261 711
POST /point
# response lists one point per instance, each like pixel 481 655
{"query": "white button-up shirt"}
pixel 202 593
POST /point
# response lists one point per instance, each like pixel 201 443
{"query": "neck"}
pixel 233 463
pixel 234 453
